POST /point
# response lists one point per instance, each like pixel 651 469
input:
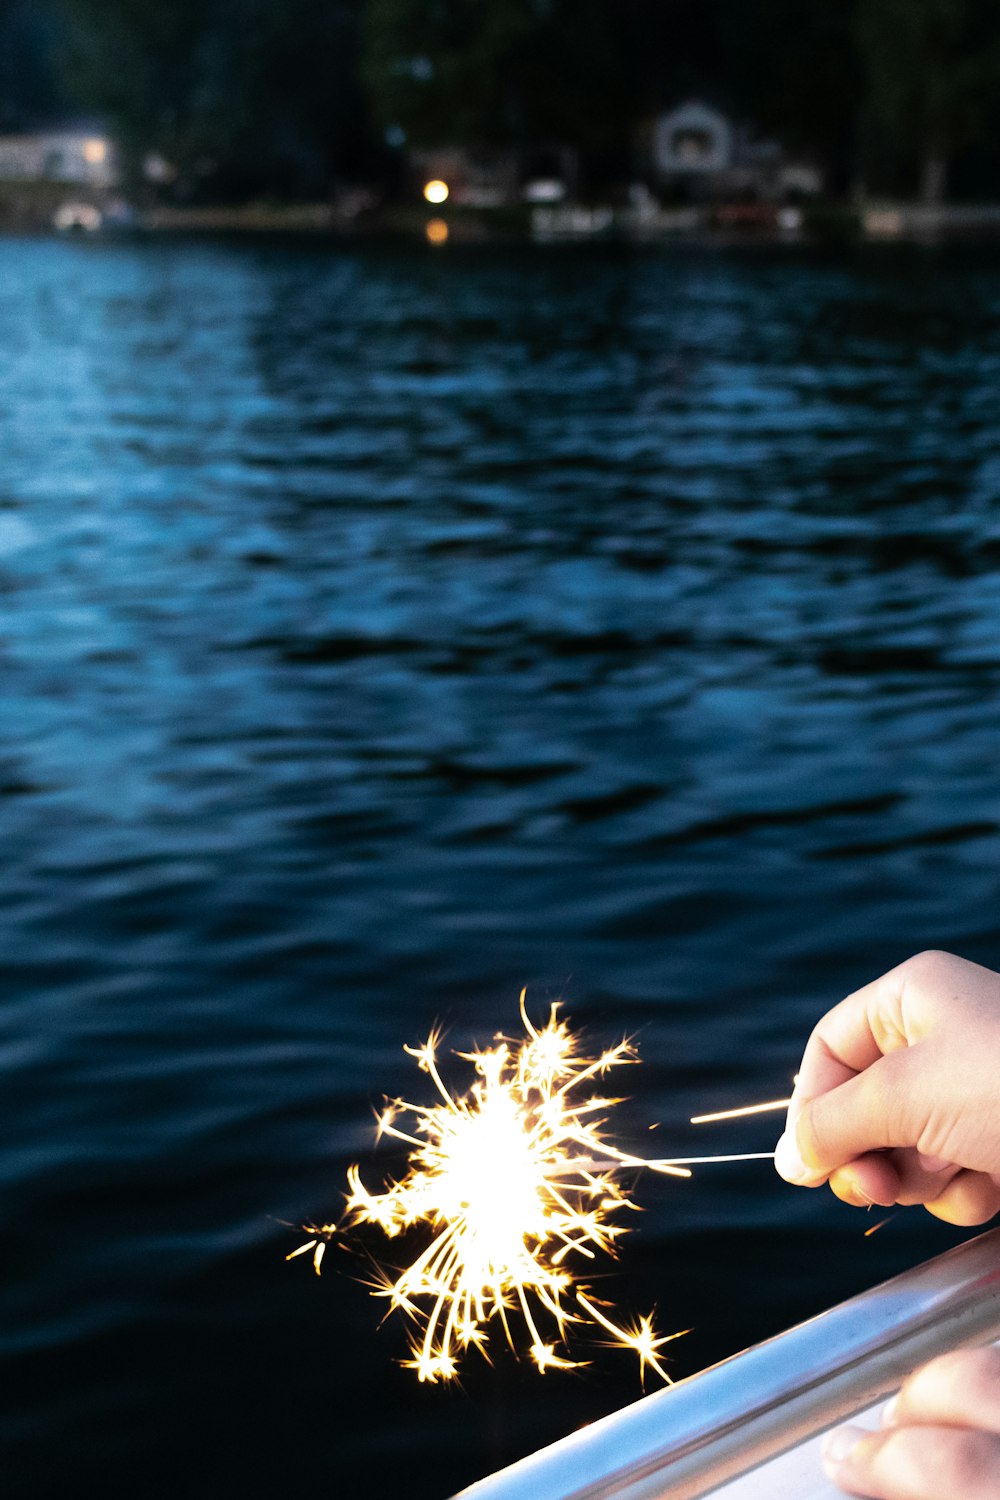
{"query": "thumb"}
pixel 880 1107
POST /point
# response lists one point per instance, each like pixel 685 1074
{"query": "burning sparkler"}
pixel 514 1179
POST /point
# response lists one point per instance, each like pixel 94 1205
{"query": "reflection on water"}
pixel 380 633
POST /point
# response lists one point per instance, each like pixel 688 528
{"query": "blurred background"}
pixel 602 596
pixel 637 107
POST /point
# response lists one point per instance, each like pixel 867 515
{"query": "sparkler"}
pixel 514 1180
pixel 766 1108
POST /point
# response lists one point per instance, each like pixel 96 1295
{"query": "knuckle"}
pixel 927 961
pixel 929 969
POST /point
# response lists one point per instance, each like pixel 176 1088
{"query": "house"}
pixel 692 141
pixel 698 152
pixel 70 158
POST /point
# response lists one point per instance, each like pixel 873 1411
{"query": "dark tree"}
pixel 245 94
pixel 794 71
pixel 933 67
pixel 511 73
pixel 30 91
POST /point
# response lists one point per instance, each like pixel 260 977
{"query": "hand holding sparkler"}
pixel 896 1102
pixel 896 1097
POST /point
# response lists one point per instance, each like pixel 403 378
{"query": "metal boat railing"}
pixel 687 1440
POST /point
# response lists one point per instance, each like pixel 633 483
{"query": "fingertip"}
pixel 838 1446
pixel 788 1163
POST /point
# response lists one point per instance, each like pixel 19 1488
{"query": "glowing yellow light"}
pixel 436 231
pixel 514 1179
pixel 742 1112
pixel 95 152
pixel 436 191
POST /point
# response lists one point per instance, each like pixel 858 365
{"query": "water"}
pixel 381 632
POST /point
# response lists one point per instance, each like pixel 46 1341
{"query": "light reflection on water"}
pixel 381 632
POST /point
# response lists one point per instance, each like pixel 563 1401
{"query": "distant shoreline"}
pixel 876 221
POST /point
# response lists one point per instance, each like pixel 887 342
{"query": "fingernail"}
pixel 889 1411
pixel 789 1164
pixel 841 1443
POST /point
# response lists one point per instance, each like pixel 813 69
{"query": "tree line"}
pixel 296 97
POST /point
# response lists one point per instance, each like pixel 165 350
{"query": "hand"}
pixel 940 1438
pixel 896 1099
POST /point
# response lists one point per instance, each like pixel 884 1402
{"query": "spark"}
pixel 512 1183
pixel 742 1112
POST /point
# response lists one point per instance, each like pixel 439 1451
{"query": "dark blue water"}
pixel 380 633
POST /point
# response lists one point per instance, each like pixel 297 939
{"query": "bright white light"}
pixel 436 191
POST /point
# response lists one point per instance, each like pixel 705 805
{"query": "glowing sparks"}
pixel 511 1183
pixel 742 1112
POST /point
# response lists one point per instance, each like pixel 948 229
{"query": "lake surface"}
pixel 381 632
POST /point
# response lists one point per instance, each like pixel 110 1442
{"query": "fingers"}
pixel 882 1106
pixel 958 1389
pixel 895 1011
pixel 908 1061
pixel 940 1437
pixel 970 1198
pixel 850 1043
pixel 915 1463
pixel 868 1181
pixel 892 1177
pixel 897 1177
pixel 890 1013
pixel 842 1045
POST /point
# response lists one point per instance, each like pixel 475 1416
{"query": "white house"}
pixel 698 149
pixel 71 157
pixel 693 140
